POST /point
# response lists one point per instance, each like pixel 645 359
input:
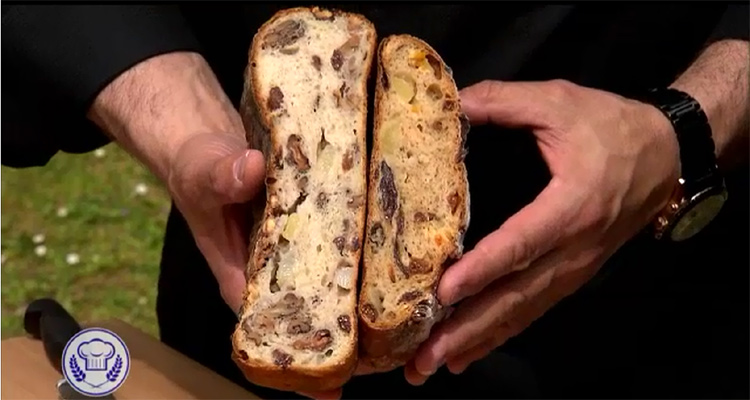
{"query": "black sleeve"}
pixel 734 24
pixel 59 57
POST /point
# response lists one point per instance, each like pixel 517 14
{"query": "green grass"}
pixel 116 232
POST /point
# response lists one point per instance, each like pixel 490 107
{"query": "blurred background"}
pixel 87 230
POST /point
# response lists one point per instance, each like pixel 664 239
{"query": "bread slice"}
pixel 305 106
pixel 418 200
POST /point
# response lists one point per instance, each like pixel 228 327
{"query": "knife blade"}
pixel 47 320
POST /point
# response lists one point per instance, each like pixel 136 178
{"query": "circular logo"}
pixel 95 362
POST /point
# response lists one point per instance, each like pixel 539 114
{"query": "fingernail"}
pixel 239 167
pixel 432 371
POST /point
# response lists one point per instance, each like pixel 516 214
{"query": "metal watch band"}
pixel 697 149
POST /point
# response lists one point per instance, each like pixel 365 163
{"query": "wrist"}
pixel 152 109
pixel 718 81
pixel 700 192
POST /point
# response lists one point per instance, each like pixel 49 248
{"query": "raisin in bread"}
pixel 418 200
pixel 305 105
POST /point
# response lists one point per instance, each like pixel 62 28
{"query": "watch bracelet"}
pixel 691 126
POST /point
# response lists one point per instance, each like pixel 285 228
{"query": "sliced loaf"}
pixel 304 105
pixel 418 200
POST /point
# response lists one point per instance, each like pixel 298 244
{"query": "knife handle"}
pixel 46 319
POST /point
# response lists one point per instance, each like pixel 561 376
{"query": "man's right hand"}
pixel 171 114
pixel 211 180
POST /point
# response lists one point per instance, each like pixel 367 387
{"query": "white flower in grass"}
pixel 141 189
pixel 38 238
pixel 72 259
pixel 142 301
pixel 62 212
pixel 99 153
pixel 40 250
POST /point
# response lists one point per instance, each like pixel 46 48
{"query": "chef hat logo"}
pixel 96 352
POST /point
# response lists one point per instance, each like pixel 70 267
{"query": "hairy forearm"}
pixel 154 107
pixel 718 80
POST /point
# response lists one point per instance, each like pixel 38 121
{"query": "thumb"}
pixel 506 104
pixel 532 232
pixel 237 177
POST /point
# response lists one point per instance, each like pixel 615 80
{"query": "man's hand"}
pixel 614 163
pixel 172 115
pixel 211 180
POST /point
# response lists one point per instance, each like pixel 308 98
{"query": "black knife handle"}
pixel 46 319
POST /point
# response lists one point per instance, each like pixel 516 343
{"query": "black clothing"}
pixel 660 320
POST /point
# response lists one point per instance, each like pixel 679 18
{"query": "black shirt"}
pixel 57 58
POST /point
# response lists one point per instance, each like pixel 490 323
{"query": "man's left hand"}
pixel 614 163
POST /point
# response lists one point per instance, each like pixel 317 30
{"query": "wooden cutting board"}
pixel 156 372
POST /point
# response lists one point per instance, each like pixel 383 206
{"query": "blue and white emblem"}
pixel 95 362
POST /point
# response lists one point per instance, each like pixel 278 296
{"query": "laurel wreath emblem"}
pixel 77 372
pixel 114 372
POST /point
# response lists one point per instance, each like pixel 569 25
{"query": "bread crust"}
pixel 390 344
pixel 261 135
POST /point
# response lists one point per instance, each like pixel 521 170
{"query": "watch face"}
pixel 698 217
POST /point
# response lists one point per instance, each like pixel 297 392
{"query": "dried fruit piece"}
pixel 388 194
pixel 285 34
pixel 345 323
pixel 275 98
pixel 418 266
pixel 410 296
pixel 317 342
pixel 290 228
pixel 316 62
pixel 354 244
pixel 299 325
pixel 422 217
pixel 346 96
pixel 253 334
pixel 282 359
pixel 337 59
pixel 369 312
pixel 417 59
pixel 292 303
pixel 289 51
pixel 340 242
pixel 377 234
pixel 405 87
pixel 296 155
pixel 389 135
pixel 344 52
